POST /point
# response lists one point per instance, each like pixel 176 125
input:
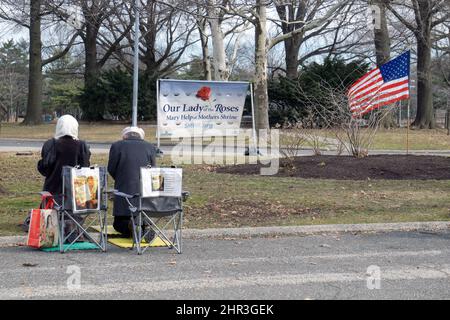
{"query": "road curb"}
pixel 248 232
pixel 316 229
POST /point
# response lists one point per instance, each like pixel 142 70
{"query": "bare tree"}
pixel 106 24
pixel 263 44
pixel 30 15
pixel 166 34
pixel 215 16
pixel 427 15
pixel 206 59
pixel 382 43
pixel 294 15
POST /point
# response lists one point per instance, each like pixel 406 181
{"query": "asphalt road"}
pixel 20 145
pixel 410 265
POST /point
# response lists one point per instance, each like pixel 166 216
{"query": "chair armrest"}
pixel 126 195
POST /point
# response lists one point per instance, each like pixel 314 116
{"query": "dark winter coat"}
pixel 126 157
pixel 57 153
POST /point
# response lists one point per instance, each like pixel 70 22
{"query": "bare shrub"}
pixel 294 140
pixel 313 135
pixel 354 134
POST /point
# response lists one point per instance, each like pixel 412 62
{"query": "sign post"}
pixel 255 144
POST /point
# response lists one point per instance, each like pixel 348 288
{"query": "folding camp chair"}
pixel 67 213
pixel 163 215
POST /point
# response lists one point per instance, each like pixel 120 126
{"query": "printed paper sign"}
pixel 200 108
pixel 161 182
pixel 85 189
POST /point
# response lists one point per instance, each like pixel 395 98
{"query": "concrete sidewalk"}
pixel 249 232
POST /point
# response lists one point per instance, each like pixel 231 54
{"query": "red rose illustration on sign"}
pixel 204 93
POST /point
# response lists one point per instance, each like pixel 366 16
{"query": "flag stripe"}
pixel 380 83
pixel 389 87
pixel 383 102
pixel 366 77
pixel 381 98
pixel 381 86
pixel 370 85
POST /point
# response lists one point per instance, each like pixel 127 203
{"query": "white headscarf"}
pixel 135 130
pixel 66 126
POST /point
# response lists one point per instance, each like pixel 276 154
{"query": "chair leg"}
pixel 139 233
pixel 178 232
pixel 104 230
pixel 61 232
pixel 133 225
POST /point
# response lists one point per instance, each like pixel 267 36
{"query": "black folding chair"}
pixel 161 215
pixel 67 214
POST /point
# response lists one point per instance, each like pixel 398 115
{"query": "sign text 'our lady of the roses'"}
pixel 193 108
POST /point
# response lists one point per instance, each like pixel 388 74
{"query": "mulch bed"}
pixel 390 167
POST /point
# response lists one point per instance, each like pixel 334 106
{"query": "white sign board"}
pixel 200 108
pixel 161 182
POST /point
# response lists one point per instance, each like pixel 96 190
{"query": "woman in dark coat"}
pixel 65 149
pixel 126 157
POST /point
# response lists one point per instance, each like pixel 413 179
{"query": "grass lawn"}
pixel 436 139
pixel 91 132
pixel 98 132
pixel 395 139
pixel 392 139
pixel 226 200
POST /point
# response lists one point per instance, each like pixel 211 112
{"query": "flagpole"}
pixel 409 101
pixel 407 127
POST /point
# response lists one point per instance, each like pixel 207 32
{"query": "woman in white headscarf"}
pixel 65 149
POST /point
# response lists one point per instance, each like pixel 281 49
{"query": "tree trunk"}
pixel 219 55
pixel 260 82
pixel 34 102
pixel 92 70
pixel 425 115
pixel 205 51
pixel 381 36
pixel 383 51
pixel 288 13
pixel 292 47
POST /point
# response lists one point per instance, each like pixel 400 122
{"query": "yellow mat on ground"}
pixel 109 230
pixel 115 239
pixel 128 242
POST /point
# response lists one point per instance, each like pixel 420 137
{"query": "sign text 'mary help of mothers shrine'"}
pixel 200 108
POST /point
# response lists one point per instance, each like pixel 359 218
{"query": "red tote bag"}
pixel 43 231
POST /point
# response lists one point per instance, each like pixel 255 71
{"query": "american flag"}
pixel 381 86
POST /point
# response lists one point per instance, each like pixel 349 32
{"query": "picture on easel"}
pixel 161 182
pixel 85 189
